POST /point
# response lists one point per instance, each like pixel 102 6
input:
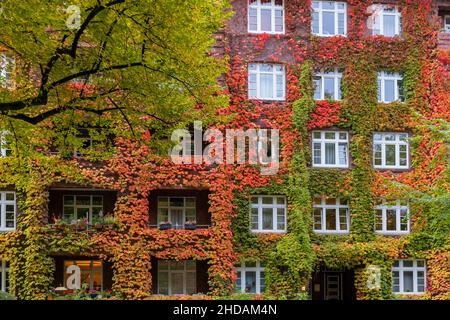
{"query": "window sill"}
pixel 331 232
pixel 315 166
pixel 267 100
pixel 267 32
pixel 392 233
pixel 269 231
pixel 328 35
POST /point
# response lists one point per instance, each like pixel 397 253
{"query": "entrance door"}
pixel 333 286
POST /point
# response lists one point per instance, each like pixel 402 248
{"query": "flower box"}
pixel 190 226
pixel 165 226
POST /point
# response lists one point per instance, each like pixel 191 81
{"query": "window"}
pixel 329 18
pixel 7 211
pixel 77 207
pixel 266 16
pixel 386 21
pixel 268 214
pixel 5 146
pixel 447 23
pixel 331 215
pixel 392 218
pixel 390 87
pixel 266 81
pixel 409 276
pixel 4 276
pixel 250 278
pixel 390 151
pixel 327 84
pixel 330 149
pixel 177 277
pixel 176 210
pixel 6 71
pixel 91 273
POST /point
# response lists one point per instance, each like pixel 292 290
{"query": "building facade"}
pixel 351 86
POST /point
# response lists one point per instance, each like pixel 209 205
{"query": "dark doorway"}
pixel 333 285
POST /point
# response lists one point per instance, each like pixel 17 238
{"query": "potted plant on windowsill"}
pixel 109 221
pixel 190 225
pixel 81 224
pixel 165 225
pixel 97 223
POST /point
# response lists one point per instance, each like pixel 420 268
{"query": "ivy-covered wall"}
pixel 290 259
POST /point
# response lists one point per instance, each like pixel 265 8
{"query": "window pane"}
pixel 391 224
pixel 10 196
pixel 254 218
pixel 83 200
pixel 330 219
pixel 317 88
pixel 315 22
pixel 328 23
pixel 390 155
pixel 253 19
pixel 266 20
pixel 317 153
pixel 329 88
pixel 250 281
pixel 68 200
pixel 280 218
pixel 267 218
pixel 407 263
pixel 317 218
pixel 267 200
pixel 330 153
pixel 389 90
pixel 266 86
pixel 389 25
pixel 176 202
pixel 343 219
pixel 341 23
pixel 176 283
pixel 328 5
pixel 278 20
pixel 408 281
pixel 343 153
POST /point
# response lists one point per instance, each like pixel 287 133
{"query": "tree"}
pixel 112 63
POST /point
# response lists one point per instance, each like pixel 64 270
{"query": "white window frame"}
pixel 169 207
pixel 170 272
pixel 401 269
pixel 274 206
pixel 6 76
pixel 91 205
pixel 242 270
pixel 4 271
pixel 3 204
pixel 336 12
pixel 397 142
pixel 92 270
pixel 398 206
pixel 380 11
pixel 384 76
pixel 336 76
pixel 257 72
pixel 336 142
pixel 258 6
pixel 447 25
pixel 323 206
